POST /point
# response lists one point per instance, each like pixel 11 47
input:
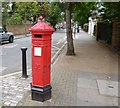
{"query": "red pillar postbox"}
pixel 41 60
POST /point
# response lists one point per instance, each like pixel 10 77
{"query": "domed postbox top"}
pixel 41 27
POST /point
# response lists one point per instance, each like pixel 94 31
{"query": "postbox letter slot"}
pixel 38 36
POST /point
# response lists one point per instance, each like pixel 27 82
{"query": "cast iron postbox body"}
pixel 41 60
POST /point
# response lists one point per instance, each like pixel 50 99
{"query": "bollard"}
pixel 24 65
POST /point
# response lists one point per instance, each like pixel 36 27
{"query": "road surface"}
pixel 11 52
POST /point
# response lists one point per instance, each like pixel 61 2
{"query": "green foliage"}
pixel 15 19
pixel 31 11
pixel 44 9
pixel 81 11
pixel 4 13
pixel 4 17
pixel 85 27
pixel 22 11
pixel 112 11
pixel 55 14
pixel 27 9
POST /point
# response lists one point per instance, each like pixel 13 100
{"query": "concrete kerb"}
pixel 21 36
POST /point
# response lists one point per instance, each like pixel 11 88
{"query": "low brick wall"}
pixel 19 29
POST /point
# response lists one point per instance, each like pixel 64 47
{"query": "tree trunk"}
pixel 70 45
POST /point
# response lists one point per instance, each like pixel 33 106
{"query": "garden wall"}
pixel 18 29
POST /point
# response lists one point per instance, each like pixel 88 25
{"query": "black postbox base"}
pixel 41 93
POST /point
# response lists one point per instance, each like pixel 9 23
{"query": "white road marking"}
pixel 10 46
pixel 60 41
pixel 2 69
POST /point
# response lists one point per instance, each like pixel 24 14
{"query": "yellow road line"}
pixel 1 105
pixel 58 52
pixel 15 73
pixel 55 47
pixel 10 74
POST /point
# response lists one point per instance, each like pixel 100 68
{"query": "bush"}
pixel 15 19
pixel 85 27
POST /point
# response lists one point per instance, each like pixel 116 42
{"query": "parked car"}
pixel 5 35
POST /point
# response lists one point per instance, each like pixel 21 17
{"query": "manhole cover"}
pixel 109 88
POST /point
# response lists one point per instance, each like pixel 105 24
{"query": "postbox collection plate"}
pixel 37 51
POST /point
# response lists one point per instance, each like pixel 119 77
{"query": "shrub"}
pixel 85 27
pixel 15 19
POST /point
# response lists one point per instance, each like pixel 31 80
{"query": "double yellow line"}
pixel 58 52
pixel 15 73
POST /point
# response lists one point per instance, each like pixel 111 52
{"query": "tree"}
pixel 81 11
pixel 55 14
pixel 27 10
pixel 14 19
pixel 70 45
pixel 111 11
pixel 21 12
pixel 30 11
pixel 4 13
pixel 44 9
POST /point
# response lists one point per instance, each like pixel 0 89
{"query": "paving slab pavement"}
pixel 74 79
pixel 14 88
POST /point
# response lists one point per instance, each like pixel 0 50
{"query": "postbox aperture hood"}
pixel 42 27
